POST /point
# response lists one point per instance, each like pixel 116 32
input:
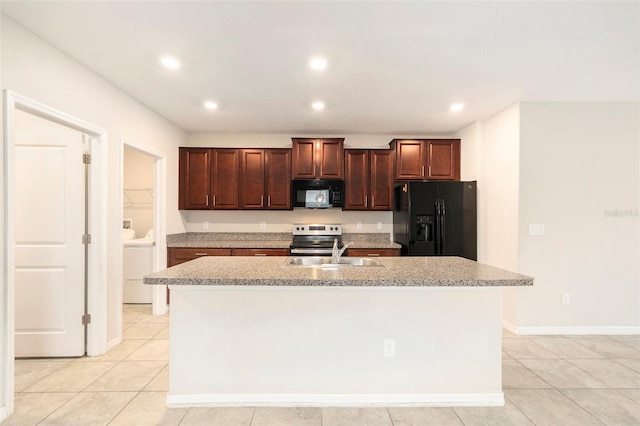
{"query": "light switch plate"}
pixel 536 229
pixel 263 225
pixel 359 225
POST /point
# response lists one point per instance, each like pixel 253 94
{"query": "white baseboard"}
pixel 114 342
pixel 3 414
pixel 337 400
pixel 525 331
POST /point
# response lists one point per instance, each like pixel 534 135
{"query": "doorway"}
pixel 143 182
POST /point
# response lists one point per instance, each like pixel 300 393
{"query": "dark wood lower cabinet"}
pixel 373 252
pixel 260 252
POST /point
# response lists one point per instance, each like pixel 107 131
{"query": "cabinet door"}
pixel 278 178
pixel 410 160
pixel 443 159
pixel 194 179
pixel 224 179
pixel 372 252
pixel 178 255
pixel 260 252
pixel 303 161
pixel 381 180
pixel 356 179
pixel 329 163
pixel 252 194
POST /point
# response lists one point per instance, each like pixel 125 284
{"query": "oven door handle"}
pixel 310 251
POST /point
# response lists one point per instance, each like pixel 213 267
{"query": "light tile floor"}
pixel 547 381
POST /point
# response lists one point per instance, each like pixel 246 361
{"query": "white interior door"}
pixel 49 225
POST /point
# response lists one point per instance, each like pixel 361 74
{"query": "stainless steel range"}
pixel 315 239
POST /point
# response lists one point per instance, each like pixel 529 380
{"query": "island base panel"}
pixel 324 346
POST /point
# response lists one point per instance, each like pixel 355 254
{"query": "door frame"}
pixel 159 303
pixel 97 257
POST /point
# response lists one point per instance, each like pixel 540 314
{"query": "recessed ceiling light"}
pixel 210 105
pixel 456 107
pixel 170 62
pixel 318 106
pixel 318 63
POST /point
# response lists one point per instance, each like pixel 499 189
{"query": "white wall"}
pixel 138 176
pixel 579 162
pixel 498 197
pixel 39 71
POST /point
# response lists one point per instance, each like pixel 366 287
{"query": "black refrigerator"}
pixel 436 219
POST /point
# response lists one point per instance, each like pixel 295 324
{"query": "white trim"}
pixel 97 289
pixel 3 413
pixel 159 306
pixel 555 331
pixel 338 400
pixel 114 342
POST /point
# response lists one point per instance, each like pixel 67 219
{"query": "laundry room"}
pixel 137 224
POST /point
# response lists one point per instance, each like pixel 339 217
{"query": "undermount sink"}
pixel 325 262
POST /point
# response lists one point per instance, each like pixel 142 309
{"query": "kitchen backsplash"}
pixel 277 221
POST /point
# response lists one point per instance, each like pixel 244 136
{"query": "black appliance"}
pixel 317 194
pixel 436 219
pixel 315 239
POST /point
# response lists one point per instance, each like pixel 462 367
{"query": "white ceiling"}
pixel 394 67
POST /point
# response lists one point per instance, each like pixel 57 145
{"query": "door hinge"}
pixel 86 319
pixel 86 158
pixel 86 239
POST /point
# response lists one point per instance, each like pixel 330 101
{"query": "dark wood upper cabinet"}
pixel 427 159
pixel 317 158
pixel 208 178
pixel 356 179
pixel 443 159
pixel 368 179
pixel 265 176
pixel 194 179
pixel 278 178
pixel 225 170
pixel 381 179
pixel 252 179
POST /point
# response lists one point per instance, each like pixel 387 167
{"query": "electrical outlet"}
pixel 205 225
pixel 566 298
pixel 359 225
pixel 379 225
pixel 389 348
pixel 263 225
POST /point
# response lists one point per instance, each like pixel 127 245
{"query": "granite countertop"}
pixel 267 240
pixel 399 272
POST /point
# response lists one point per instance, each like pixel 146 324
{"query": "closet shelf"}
pixel 140 198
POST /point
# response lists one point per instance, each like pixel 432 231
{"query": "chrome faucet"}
pixel 337 252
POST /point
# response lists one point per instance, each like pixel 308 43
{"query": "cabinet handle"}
pixel 201 254
pixel 422 171
pixel 262 200
pixel 314 170
pixel 366 201
pixel 429 171
pixel 260 254
pixel 373 201
pixel 373 254
pixel 207 200
pixel 214 201
pixel 268 200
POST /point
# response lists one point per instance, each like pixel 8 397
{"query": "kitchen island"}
pixel 417 331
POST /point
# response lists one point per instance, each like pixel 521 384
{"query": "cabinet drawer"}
pixel 260 252
pixel 373 252
pixel 177 255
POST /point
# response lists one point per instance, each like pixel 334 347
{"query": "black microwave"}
pixel 317 194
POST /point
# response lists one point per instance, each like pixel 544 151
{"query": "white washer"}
pixel 137 262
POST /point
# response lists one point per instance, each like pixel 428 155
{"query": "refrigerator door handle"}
pixel 443 215
pixel 437 230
